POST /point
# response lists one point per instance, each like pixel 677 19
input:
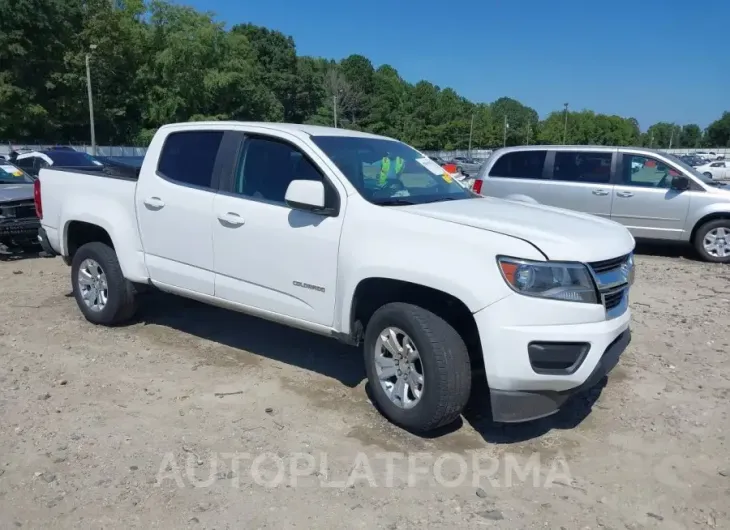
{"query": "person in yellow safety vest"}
pixel 389 170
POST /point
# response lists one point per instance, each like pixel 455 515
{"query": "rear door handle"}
pixel 154 203
pixel 600 192
pixel 624 194
pixel 231 218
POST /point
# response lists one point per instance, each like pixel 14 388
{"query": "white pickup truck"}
pixel 361 238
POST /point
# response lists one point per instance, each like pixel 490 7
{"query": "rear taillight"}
pixel 37 198
pixel 476 187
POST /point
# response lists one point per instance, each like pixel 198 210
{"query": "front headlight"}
pixel 571 282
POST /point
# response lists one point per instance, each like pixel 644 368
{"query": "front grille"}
pixel 608 264
pixel 17 210
pixel 613 284
pixel 19 227
pixel 613 298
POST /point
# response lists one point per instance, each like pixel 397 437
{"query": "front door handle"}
pixel 231 219
pixel 624 194
pixel 600 192
pixel 155 203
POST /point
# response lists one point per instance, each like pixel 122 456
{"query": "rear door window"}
pixel 520 165
pixel 581 166
pixel 189 157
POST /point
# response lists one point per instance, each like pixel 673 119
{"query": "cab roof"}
pixel 295 128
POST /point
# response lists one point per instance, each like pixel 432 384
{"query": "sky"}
pixel 654 60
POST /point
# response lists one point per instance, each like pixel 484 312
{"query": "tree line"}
pixel 156 62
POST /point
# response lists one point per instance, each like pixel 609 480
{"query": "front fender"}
pixel 455 259
pixel 696 215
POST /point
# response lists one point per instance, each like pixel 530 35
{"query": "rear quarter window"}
pixel 520 165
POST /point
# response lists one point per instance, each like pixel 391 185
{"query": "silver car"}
pixel 467 166
pixel 655 195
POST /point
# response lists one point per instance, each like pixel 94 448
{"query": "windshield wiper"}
pixel 441 199
pixel 716 184
pixel 395 202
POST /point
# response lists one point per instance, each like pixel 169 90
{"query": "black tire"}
pixel 700 238
pixel 445 364
pixel 121 300
pixel 707 174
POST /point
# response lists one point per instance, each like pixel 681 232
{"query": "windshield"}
pixel 390 173
pixel 9 174
pixel 691 170
pixel 72 159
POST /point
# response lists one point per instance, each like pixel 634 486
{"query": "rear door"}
pixel 175 209
pixel 517 175
pixel 580 181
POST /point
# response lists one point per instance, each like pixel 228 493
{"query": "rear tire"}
pixel 103 295
pixel 443 366
pixel 709 232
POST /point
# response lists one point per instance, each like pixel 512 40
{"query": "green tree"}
pixel 690 136
pixel 35 38
pixel 518 118
pixel 718 133
pixel 155 62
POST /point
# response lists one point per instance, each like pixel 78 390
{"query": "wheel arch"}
pixel 374 292
pixel 706 219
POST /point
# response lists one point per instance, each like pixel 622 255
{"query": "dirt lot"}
pixel 137 427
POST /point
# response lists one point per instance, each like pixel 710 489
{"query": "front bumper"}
pixel 513 406
pixel 520 391
pixel 19 229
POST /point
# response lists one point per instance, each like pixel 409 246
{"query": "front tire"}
pixel 712 241
pixel 417 366
pixel 102 292
pixel 707 174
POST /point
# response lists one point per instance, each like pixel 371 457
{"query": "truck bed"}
pixel 117 171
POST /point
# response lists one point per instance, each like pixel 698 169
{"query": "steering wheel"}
pixel 391 185
pixel 666 180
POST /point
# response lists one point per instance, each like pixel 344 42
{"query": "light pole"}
pixel 334 107
pixel 92 47
pixel 471 131
pixel 506 125
pixel 565 128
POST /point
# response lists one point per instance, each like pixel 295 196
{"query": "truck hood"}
pixel 15 192
pixel 559 234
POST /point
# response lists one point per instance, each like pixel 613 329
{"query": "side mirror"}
pixel 680 183
pixel 306 195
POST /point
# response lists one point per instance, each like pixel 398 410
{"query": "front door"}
pixel 267 254
pixel 644 202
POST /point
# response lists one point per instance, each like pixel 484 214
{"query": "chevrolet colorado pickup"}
pixel 307 227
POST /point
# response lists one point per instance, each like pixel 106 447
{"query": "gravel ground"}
pixel 195 417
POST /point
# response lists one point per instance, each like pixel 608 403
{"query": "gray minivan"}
pixel 654 194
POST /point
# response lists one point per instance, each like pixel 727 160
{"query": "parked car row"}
pixel 463 165
pixel 655 195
